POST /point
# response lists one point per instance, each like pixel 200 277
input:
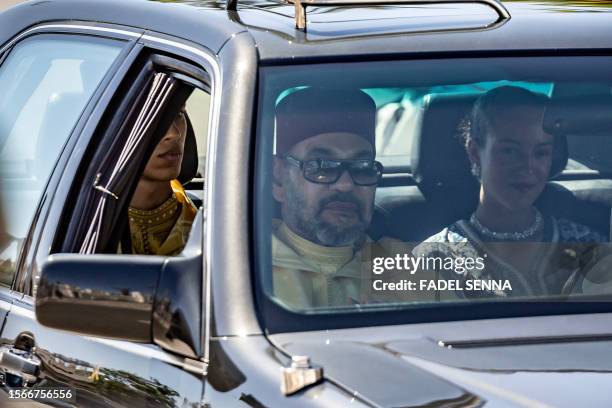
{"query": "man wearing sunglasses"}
pixel 325 179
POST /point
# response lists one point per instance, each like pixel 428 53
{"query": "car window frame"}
pixel 197 55
pixel 44 232
pixel 276 318
pixel 150 65
pixel 33 240
pixel 4 54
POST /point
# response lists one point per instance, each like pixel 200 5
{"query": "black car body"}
pixel 221 341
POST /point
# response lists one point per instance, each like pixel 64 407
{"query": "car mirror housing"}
pixel 141 298
pixel 99 295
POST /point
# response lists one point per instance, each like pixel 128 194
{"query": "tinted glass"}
pixel 46 83
pixel 496 186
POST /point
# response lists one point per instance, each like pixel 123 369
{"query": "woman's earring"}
pixel 475 169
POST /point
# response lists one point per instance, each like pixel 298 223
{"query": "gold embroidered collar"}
pixel 157 216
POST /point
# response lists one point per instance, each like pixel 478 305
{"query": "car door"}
pixel 51 113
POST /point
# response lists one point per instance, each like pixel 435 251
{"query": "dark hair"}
pixel 495 107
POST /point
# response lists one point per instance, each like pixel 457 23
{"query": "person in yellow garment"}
pixel 325 179
pixel 160 213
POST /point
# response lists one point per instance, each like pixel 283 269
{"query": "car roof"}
pixel 205 23
pixel 444 28
pixel 349 32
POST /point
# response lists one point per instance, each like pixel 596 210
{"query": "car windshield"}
pixel 382 186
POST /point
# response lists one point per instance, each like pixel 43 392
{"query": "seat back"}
pixel 439 162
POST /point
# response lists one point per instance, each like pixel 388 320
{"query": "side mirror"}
pixel 99 295
pixel 141 298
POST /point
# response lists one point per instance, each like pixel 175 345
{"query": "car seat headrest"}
pixel 578 113
pixel 189 165
pixel 439 161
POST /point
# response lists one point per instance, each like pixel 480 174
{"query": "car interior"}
pixel 438 188
pixel 152 101
pixel 427 184
pixel 194 154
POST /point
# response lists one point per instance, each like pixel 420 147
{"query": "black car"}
pixel 86 86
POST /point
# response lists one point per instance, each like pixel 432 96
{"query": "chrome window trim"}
pixel 5 305
pixel 212 66
pixel 211 159
pixel 10 293
pixel 45 27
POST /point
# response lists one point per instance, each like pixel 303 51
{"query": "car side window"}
pixel 144 183
pixel 170 189
pixel 46 81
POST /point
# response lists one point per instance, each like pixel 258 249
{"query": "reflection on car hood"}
pixel 521 362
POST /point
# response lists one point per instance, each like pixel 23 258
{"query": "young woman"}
pixel 512 156
pixel 160 213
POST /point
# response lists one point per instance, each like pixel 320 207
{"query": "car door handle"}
pixel 19 366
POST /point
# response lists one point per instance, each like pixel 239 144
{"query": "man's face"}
pixel 165 161
pixel 336 214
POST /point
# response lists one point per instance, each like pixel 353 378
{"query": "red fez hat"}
pixel 314 111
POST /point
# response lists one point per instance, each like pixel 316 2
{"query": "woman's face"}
pixel 515 160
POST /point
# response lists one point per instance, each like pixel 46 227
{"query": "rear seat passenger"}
pixel 446 191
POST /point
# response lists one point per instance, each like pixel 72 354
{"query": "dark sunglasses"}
pixel 328 171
